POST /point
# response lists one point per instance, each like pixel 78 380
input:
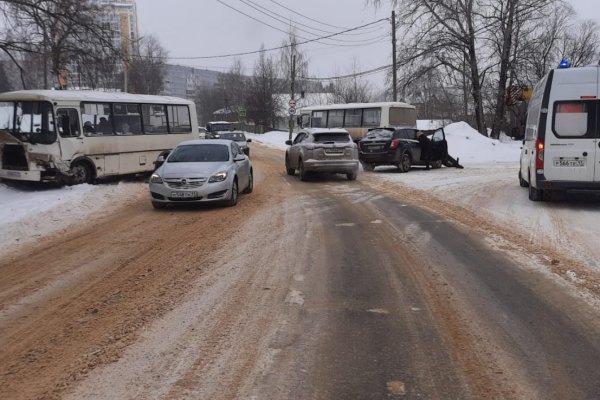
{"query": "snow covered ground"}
pixel 487 185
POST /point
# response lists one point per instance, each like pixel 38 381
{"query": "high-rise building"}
pixel 121 17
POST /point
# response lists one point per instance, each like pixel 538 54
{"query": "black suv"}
pixel 403 147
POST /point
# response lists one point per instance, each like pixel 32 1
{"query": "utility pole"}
pixel 394 72
pixel 292 103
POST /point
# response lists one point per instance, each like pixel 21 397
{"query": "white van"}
pixel 560 150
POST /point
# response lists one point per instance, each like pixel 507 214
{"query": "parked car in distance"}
pixel 201 171
pixel 237 136
pixel 201 132
pixel 403 147
pixel 322 150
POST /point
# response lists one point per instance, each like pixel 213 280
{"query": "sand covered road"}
pixel 228 303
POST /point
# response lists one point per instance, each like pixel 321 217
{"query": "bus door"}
pixel 69 130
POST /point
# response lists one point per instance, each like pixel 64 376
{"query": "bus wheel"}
pixel 80 173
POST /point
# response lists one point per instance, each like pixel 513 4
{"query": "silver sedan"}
pixel 201 171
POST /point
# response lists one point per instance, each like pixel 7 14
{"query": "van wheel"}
pixel 436 164
pixel 535 194
pixel 352 176
pixel 522 182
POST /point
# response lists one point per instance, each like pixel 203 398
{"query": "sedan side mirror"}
pixel 288 142
pixel 249 140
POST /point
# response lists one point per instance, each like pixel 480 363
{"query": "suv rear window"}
pixel 380 134
pixel 332 137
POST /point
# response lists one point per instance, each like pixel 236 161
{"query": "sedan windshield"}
pixel 236 136
pixel 200 153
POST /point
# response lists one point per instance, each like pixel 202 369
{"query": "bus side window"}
pixel 68 122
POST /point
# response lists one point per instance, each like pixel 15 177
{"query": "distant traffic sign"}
pixel 292 110
pixel 292 103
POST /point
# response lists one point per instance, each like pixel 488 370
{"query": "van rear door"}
pixel 597 141
pixel 570 148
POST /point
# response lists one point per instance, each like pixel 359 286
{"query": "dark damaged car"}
pixel 403 148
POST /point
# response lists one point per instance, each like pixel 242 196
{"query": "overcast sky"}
pixel 202 28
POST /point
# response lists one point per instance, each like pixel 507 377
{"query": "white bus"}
pixel 78 136
pixel 358 118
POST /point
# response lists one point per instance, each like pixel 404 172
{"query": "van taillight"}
pixel 539 156
pixel 395 144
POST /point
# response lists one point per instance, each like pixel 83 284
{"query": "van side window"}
pixel 575 119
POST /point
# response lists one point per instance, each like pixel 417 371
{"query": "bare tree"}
pixel 147 71
pixel 580 44
pixel 234 86
pixel 262 102
pixel 60 31
pixel 445 33
pixel 351 88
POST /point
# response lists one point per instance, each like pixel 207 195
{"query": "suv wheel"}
pixel 405 162
pixel 368 166
pixel 436 164
pixel 302 172
pixel 351 176
pixel 290 171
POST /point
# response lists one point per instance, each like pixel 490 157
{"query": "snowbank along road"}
pixel 325 289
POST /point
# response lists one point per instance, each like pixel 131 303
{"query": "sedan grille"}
pixel 185 183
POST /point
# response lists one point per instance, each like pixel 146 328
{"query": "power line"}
pixel 271 26
pixel 277 17
pixel 279 47
pixel 355 75
pixel 304 16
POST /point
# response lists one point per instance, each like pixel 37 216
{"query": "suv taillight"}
pixel 539 156
pixel 395 144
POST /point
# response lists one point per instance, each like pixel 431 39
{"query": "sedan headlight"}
pixel 218 177
pixel 155 178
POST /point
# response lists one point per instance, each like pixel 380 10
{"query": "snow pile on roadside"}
pixel 29 213
pixel 472 147
pixel 275 139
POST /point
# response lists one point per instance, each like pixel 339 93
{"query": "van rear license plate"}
pixel 184 195
pixel 569 162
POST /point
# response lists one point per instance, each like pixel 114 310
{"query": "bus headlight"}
pixel 156 179
pixel 218 177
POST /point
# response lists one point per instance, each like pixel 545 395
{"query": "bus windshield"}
pixel 28 121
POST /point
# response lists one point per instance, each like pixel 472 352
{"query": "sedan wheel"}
pixel 250 186
pixel 234 194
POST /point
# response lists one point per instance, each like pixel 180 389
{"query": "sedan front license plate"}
pixel 569 162
pixel 184 195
